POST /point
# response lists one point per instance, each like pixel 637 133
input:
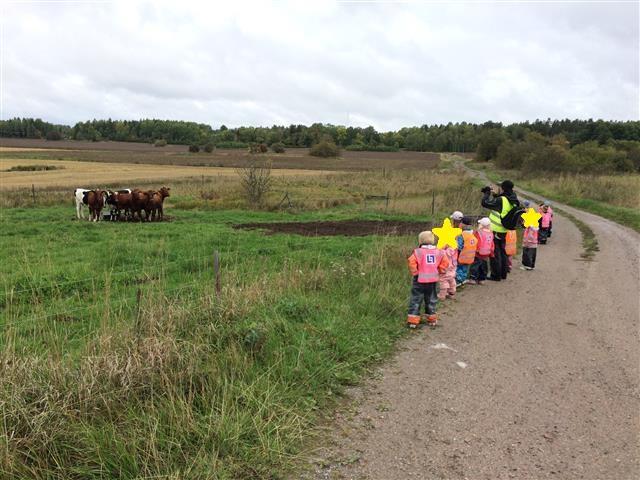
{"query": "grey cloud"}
pixel 391 65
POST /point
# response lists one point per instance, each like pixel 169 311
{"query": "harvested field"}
pixel 77 173
pixel 142 153
pixel 347 228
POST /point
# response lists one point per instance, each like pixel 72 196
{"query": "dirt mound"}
pixel 349 228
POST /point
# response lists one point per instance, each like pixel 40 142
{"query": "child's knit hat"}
pixel 426 238
pixel 484 222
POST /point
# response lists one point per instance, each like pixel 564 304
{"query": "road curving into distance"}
pixel 536 377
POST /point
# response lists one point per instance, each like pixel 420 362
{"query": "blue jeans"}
pixel 426 292
pixel 462 272
pixel 479 270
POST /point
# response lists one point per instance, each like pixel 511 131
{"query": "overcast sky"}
pixel 258 63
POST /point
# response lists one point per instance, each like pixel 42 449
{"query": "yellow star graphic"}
pixel 447 234
pixel 531 218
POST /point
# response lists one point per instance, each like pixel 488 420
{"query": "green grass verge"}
pixel 185 383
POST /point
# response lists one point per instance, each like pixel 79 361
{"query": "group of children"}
pixel 438 272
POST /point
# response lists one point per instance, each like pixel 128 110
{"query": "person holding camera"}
pixel 500 203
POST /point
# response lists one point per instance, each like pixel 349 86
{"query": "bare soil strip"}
pixel 536 377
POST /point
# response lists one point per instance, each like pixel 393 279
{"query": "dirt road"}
pixel 536 377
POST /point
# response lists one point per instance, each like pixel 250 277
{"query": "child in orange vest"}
pixel 529 248
pixel 467 245
pixel 425 264
pixel 484 235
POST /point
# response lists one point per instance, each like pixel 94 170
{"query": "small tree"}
pixel 256 181
pixel 325 148
pixel 209 147
pixel 278 147
pixel 54 135
pixel 194 148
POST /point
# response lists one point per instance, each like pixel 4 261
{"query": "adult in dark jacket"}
pixel 500 204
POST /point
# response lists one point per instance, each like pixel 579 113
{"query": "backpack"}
pixel 513 217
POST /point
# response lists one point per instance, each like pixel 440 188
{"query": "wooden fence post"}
pixel 433 202
pixel 386 203
pixel 216 270
pixel 33 194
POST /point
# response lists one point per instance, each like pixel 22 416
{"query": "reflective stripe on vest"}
pixel 510 240
pixel 486 242
pixel 468 252
pixel 428 261
pixel 496 218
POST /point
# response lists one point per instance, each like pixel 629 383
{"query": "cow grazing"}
pixel 96 200
pixel 156 200
pixel 80 195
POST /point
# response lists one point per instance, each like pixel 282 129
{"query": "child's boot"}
pixel 432 319
pixel 413 321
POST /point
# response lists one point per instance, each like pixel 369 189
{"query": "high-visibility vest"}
pixel 486 242
pixel 428 260
pixel 452 256
pixel 468 252
pixel 530 237
pixel 496 217
pixel 545 221
pixel 510 240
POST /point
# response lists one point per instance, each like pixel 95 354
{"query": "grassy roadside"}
pixel 624 215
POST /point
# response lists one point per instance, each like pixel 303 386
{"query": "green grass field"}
pixel 187 383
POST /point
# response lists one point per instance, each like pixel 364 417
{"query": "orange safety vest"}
pixel 468 252
pixel 510 240
pixel 428 260
pixel 486 242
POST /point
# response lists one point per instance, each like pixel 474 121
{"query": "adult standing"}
pixel 500 204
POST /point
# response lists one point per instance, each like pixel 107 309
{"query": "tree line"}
pixel 452 137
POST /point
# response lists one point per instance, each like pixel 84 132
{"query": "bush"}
pixel 256 181
pixel 278 147
pixel 258 148
pixel 209 147
pixel 230 144
pixel 325 148
pixel 54 135
pixel 161 142
pixel 359 147
pixel 194 148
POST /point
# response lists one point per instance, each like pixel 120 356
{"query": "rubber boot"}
pixel 413 321
pixel 432 319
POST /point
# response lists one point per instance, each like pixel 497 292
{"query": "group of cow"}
pixel 122 204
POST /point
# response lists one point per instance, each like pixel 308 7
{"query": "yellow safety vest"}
pixel 496 218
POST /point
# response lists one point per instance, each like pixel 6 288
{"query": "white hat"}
pixel 456 215
pixel 484 221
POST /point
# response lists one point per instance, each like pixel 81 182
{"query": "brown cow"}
pixel 120 201
pixel 155 203
pixel 95 200
pixel 139 202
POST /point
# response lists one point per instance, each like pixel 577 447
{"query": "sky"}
pixel 385 64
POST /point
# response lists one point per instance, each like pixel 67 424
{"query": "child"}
pixel 529 248
pixel 467 245
pixel 545 223
pixel 448 277
pixel 484 236
pixel 425 264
